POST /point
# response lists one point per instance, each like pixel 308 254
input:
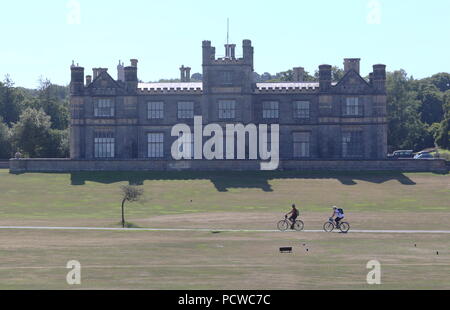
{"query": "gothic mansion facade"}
pixel 123 119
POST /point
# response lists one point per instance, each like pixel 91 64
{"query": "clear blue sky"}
pixel 43 37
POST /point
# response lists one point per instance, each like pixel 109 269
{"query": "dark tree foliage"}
pixel 5 141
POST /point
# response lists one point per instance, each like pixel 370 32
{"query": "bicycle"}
pixel 329 226
pixel 286 223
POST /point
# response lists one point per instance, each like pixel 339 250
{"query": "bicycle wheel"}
pixel 344 227
pixel 299 225
pixel 283 225
pixel 328 227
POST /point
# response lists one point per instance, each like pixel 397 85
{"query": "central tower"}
pixel 228 78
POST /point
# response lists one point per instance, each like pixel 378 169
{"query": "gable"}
pixel 104 84
pixel 352 83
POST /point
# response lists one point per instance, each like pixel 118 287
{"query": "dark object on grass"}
pixel 437 253
pixel 286 250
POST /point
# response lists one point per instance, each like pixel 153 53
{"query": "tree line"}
pixel 35 122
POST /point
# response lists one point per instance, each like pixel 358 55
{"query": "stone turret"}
pixel 248 52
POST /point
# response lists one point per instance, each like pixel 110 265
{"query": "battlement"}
pixel 170 88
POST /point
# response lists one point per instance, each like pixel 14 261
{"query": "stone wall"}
pixel 4 164
pixel 67 165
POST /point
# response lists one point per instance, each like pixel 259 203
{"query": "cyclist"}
pixel 338 213
pixel 294 215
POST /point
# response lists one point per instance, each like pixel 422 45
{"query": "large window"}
pixel 227 109
pixel 270 109
pixel 352 107
pixel 104 108
pixel 155 145
pixel 301 141
pixel 185 110
pixel 302 110
pixel 155 110
pixel 104 145
pixel 227 77
pixel 352 144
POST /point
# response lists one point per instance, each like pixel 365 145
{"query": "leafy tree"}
pixel 443 133
pixel 52 99
pixel 10 101
pixel 130 194
pixel 406 130
pixel 5 140
pixel 431 110
pixel 440 80
pixel 57 144
pixel 31 132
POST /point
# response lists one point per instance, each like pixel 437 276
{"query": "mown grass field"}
pixel 201 260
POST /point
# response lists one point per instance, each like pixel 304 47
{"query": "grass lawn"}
pixel 200 260
pixel 130 260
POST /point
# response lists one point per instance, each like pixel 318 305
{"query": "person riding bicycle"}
pixel 338 213
pixel 294 215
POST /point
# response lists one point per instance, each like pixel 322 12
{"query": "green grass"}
pixel 97 195
pixel 36 260
pixel 200 260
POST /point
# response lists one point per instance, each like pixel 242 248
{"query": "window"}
pixel 301 141
pixel 104 145
pixel 352 107
pixel 227 109
pixel 270 109
pixel 302 109
pixel 227 77
pixel 185 110
pixel 104 108
pixel 155 110
pixel 155 145
pixel 352 144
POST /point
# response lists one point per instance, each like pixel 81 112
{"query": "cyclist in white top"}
pixel 338 213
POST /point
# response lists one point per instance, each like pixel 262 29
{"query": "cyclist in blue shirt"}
pixel 338 213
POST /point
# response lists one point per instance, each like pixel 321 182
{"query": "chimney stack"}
pixel 248 51
pixel 185 74
pixel 134 62
pixel 352 64
pixel 182 74
pixel 379 78
pixel 120 72
pixel 88 79
pixel 230 51
pixel 131 76
pixel 76 80
pixel 299 74
pixel 188 74
pixel 95 72
pixel 325 77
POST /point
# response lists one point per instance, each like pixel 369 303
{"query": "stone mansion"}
pixel 124 119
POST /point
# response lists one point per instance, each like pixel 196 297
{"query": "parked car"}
pixel 402 154
pixel 424 155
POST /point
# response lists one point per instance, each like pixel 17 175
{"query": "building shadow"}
pixel 223 181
